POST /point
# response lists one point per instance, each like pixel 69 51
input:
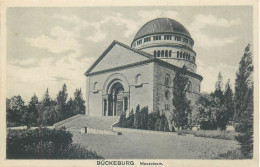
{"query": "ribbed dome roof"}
pixel 161 25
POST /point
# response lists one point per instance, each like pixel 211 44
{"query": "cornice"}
pixel 119 68
pixel 155 60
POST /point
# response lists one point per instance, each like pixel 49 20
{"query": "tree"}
pixel 152 117
pixel 166 124
pixel 218 104
pixel 157 123
pixel 79 102
pixel 47 110
pixel 220 113
pixel 218 93
pixel 61 102
pixel 204 112
pixel 131 120
pixel 180 101
pixel 45 102
pixel 163 123
pixel 137 118
pixel 144 117
pixel 123 120
pixel 50 115
pixel 209 113
pixel 46 99
pixel 244 103
pixel 76 105
pixel 219 86
pixel 32 113
pixel 229 101
pixel 70 106
pixel 15 108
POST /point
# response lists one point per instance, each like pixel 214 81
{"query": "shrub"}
pixel 144 117
pixel 123 120
pixel 130 120
pixel 75 151
pixel 232 154
pixel 142 120
pixel 152 117
pixel 43 144
pixel 137 117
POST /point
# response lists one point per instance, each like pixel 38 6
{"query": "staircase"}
pixel 94 122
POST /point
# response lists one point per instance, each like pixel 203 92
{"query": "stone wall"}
pixel 86 130
pixel 118 129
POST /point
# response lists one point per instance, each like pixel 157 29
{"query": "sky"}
pixel 47 47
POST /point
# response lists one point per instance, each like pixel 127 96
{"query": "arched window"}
pixel 167 94
pixel 177 54
pixel 158 53
pixel 170 53
pixel 138 79
pixel 181 55
pixel 95 86
pixel 166 53
pixel 154 53
pixel 167 80
pixel 189 86
pixel 147 39
pixel 162 53
pixel 155 38
pixel 139 42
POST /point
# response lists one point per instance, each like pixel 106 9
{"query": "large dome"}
pixel 167 40
pixel 162 25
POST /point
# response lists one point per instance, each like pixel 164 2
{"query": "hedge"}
pixel 44 143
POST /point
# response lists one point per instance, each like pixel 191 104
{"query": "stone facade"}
pixel 137 94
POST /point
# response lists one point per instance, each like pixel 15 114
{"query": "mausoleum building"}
pixel 125 76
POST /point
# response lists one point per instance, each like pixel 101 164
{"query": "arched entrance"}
pixel 116 95
pixel 116 101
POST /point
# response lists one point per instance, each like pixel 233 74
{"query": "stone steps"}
pixel 101 123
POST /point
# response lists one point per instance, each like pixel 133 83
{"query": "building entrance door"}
pixel 116 100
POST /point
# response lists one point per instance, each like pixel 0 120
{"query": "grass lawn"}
pixel 134 145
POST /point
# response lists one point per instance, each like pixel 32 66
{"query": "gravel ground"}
pixel 133 145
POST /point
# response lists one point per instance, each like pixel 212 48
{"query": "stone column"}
pixel 114 109
pixel 105 105
pixel 110 105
